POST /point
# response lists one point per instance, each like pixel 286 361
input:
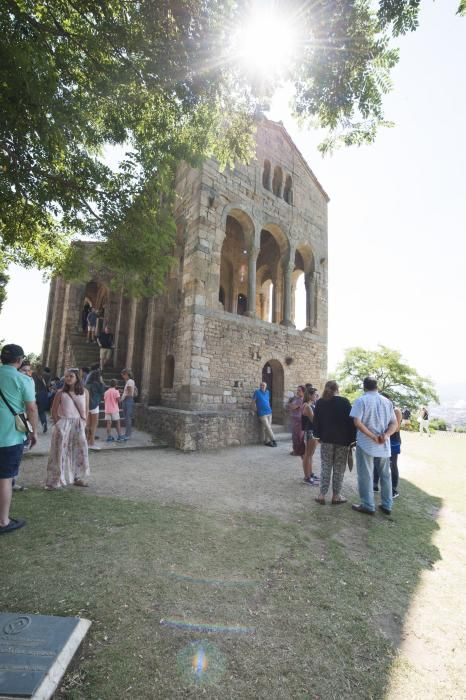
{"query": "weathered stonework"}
pixel 244 238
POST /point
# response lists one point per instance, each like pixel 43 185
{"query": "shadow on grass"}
pixel 251 607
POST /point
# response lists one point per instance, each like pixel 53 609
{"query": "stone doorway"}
pixel 273 375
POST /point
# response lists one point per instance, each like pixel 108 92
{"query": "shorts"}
pixel 91 328
pixel 93 411
pixel 308 435
pixel 105 353
pixel 112 416
pixel 10 459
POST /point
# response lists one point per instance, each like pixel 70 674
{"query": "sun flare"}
pixel 265 44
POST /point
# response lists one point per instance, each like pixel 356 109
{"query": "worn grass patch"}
pixel 252 607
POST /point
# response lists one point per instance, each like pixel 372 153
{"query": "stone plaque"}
pixel 35 651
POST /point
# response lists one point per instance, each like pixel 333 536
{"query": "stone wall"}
pixel 198 430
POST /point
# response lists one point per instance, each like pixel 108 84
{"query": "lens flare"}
pixel 201 663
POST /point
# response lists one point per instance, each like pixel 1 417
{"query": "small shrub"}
pixel 438 424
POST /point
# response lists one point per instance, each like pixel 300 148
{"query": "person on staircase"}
pixel 105 343
pixel 91 325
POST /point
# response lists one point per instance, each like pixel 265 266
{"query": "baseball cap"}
pixel 11 352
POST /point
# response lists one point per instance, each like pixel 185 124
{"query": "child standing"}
pixel 112 411
pixel 68 460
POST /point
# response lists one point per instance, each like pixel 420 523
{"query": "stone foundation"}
pixel 198 430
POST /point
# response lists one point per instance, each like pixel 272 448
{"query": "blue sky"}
pixel 397 216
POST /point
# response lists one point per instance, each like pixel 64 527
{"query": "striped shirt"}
pixel 376 412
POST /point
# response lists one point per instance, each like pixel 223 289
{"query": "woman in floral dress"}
pixel 68 459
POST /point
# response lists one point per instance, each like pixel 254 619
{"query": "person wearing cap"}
pixel 17 394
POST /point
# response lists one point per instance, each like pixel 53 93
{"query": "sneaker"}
pixel 315 477
pixel 94 447
pixel 110 438
pixel 314 481
pixel 395 494
pixel 274 443
pixel 121 438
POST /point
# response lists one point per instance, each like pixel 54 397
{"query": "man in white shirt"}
pixel 375 421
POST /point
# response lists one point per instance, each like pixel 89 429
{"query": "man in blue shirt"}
pixel 261 403
pixel 17 395
pixel 375 421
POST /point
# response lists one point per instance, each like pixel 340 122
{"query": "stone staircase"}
pixel 87 354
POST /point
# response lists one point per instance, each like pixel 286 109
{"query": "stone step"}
pixel 279 428
pixel 282 437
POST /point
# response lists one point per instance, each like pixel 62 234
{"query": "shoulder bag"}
pixel 22 423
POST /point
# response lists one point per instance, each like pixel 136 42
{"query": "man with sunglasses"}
pixel 16 395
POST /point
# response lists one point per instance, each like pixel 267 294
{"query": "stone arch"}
pixel 243 215
pixel 277 181
pixel 234 260
pixel 273 374
pixel 266 173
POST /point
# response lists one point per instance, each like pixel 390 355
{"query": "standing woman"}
pixel 68 459
pixel 307 425
pixel 336 431
pixel 395 449
pixel 295 408
pixel 127 401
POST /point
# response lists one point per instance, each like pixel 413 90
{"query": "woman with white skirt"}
pixel 68 459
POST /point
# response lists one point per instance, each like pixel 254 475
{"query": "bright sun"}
pixel 265 44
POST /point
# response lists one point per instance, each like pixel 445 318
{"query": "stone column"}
pixel 48 322
pixel 310 283
pixel 51 360
pixel 63 331
pixel 131 333
pixel 147 354
pixel 116 332
pixel 287 297
pixel 252 259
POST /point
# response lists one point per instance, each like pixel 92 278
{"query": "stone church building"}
pixel 246 301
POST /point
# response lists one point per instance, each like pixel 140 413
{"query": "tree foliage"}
pixel 4 278
pixel 397 379
pixel 158 81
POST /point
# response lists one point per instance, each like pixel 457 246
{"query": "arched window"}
pixel 288 190
pixel 266 175
pixel 277 181
pixel 169 373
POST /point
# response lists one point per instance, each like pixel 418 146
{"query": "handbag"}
pixel 22 423
pixel 350 456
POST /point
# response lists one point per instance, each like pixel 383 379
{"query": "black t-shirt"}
pixel 332 422
pixel 106 340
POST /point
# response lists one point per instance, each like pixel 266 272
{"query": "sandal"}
pixel 80 482
pixel 320 500
pixel 338 501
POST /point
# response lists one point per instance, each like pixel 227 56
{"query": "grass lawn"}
pixel 187 602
